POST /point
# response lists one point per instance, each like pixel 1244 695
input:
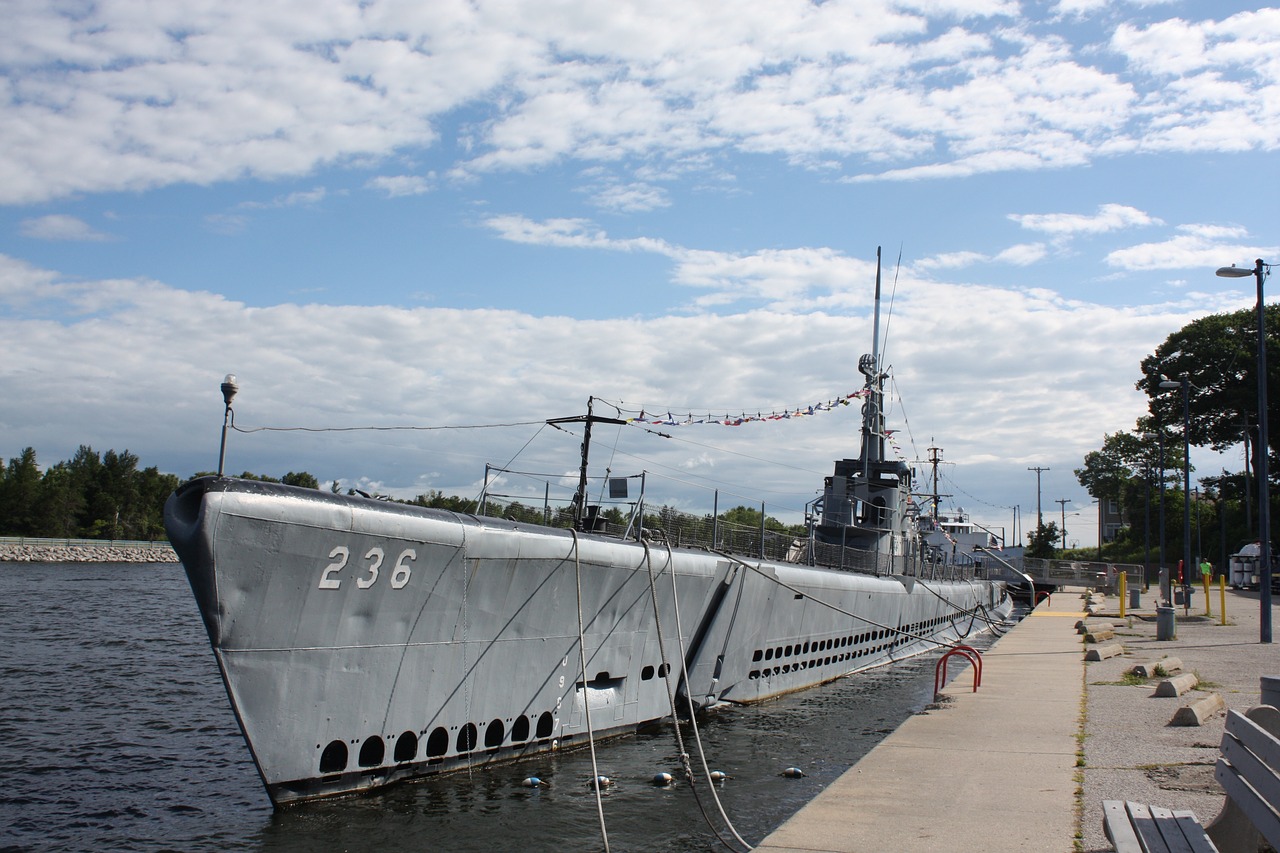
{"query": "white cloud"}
pixel 952 260
pixel 402 185
pixel 1205 247
pixel 1110 217
pixel 1021 255
pixel 629 198
pixel 303 198
pixel 786 279
pixel 112 99
pixel 990 386
pixel 61 227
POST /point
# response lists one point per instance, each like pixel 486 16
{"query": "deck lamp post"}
pixel 1185 384
pixel 1259 272
pixel 229 389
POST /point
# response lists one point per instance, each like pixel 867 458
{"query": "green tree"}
pixel 61 502
pixel 154 489
pixel 439 500
pixel 1041 541
pixel 1218 354
pixel 1127 464
pixel 20 495
pixel 301 479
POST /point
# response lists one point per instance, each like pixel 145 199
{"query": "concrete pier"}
pixel 992 770
pixel 1026 761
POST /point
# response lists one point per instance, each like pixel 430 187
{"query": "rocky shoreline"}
pixel 107 552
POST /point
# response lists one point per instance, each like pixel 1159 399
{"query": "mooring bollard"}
pixel 1165 624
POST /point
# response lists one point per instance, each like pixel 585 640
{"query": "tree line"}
pixel 92 496
pixel 1213 360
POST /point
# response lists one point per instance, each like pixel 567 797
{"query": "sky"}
pixel 416 231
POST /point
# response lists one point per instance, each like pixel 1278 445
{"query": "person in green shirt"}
pixel 1206 570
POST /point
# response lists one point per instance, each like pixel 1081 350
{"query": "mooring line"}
pixel 586 697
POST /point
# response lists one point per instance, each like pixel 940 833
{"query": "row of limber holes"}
pixel 336 756
pixel 373 751
pixel 835 643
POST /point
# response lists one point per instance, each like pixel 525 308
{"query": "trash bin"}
pixel 1135 596
pixel 1165 625
pixel 1271 690
pixel 1182 595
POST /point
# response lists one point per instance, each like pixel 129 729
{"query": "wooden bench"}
pixel 1248 770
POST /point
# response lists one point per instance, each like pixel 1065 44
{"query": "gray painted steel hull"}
pixel 364 642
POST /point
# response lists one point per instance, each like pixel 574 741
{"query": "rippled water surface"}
pixel 116 734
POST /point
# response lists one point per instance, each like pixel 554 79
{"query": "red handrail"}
pixel 969 653
pixel 1042 595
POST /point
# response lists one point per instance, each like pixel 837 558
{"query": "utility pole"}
pixel 1039 514
pixel 1062 504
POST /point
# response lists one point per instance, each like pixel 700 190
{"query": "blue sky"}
pixel 386 213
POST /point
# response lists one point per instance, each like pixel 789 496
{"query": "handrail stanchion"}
pixel 970 654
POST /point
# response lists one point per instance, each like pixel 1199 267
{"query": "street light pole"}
pixel 229 389
pixel 1163 572
pixel 1259 271
pixel 1185 384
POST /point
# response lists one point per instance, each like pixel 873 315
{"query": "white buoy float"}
pixel 663 779
pixel 718 776
pixel 532 782
pixel 793 773
pixel 602 782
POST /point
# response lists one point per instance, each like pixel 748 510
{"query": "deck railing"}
pixel 750 542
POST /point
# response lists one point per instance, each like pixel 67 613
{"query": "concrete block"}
pixel 1163 666
pixel 1177 685
pixel 1197 712
pixel 1099 635
pixel 1104 652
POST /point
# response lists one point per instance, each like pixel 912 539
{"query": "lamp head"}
pixel 229 388
pixel 1234 271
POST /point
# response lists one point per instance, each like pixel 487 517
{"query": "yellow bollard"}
pixel 1123 580
pixel 1208 611
pixel 1222 595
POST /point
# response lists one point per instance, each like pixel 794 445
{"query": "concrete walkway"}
pixel 993 770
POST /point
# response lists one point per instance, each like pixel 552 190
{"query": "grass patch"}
pixel 1205 684
pixel 1129 679
pixel 1077 841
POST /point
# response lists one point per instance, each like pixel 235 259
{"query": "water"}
pixel 116 735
